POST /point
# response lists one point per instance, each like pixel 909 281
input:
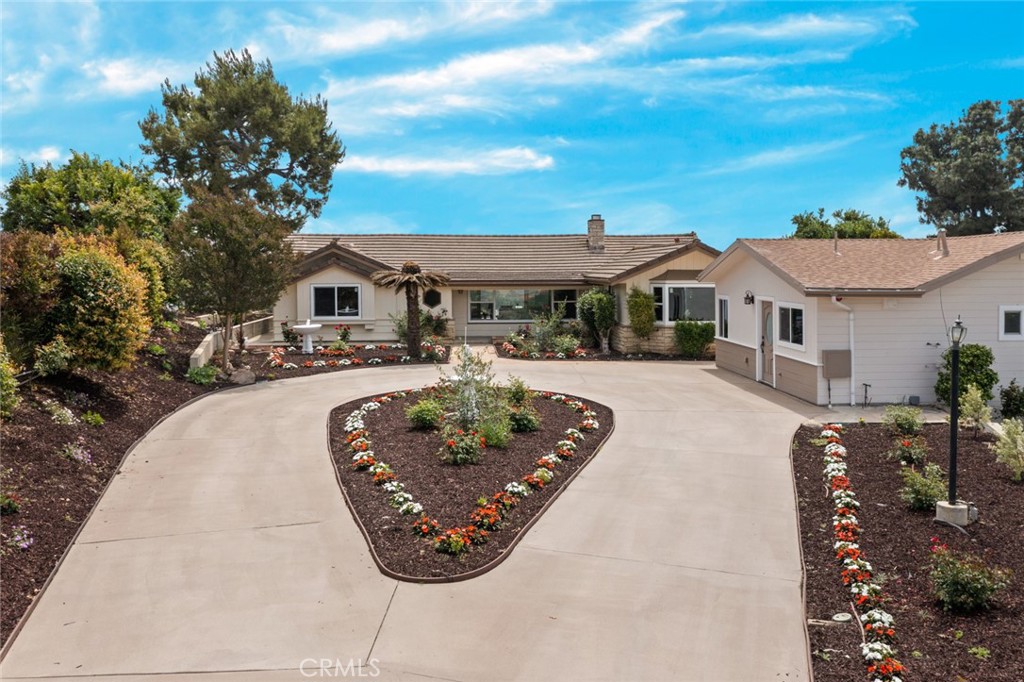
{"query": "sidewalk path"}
pixel 224 551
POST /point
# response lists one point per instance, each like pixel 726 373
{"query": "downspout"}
pixel 853 363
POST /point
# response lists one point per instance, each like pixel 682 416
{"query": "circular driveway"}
pixel 224 546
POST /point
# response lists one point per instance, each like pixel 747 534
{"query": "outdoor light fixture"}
pixel 748 297
pixel 956 334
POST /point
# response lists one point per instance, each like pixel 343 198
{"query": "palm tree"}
pixel 411 279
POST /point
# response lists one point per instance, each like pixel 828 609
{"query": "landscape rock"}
pixel 243 377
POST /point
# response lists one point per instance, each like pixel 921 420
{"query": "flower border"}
pixel 878 625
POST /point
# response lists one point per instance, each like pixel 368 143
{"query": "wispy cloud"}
pixel 44 154
pixel 133 75
pixel 490 162
pixel 361 223
pixel 812 26
pixel 783 156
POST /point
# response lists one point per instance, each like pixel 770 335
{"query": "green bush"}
pixel 461 447
pixel 93 419
pixel 156 349
pixel 547 329
pixel 1010 447
pixel 911 451
pixel 203 376
pixel 426 414
pixel 523 418
pixel 903 420
pixel 101 309
pixel 974 411
pixel 693 338
pixel 964 583
pixel 430 324
pixel 641 312
pixel 922 490
pixel 9 397
pixel 53 358
pixel 1011 400
pixel 27 284
pixel 517 392
pixel 975 368
pixel 565 344
pixel 496 429
pixel 597 312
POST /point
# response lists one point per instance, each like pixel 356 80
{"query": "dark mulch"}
pixel 594 355
pixel 449 493
pixel 258 360
pixel 56 493
pixel 932 644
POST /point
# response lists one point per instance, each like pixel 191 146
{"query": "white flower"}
pixel 290 365
pixel 410 508
pixel 393 487
pixel 517 489
pixel 574 433
pixel 399 499
pixel 291 349
pixel 566 445
pixel 374 361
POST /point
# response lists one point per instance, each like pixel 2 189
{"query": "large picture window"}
pixel 335 300
pixel 791 325
pixel 674 302
pixel 518 305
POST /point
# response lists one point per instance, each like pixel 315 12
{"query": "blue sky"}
pixel 523 117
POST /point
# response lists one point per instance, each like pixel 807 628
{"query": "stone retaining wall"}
pixel 214 341
pixel 661 341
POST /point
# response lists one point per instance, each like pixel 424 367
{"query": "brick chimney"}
pixel 595 232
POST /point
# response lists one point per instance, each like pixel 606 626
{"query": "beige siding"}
pixel 694 260
pixel 899 342
pixel 797 378
pixel 735 358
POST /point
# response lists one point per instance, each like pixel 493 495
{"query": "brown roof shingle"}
pixel 900 266
pixel 511 258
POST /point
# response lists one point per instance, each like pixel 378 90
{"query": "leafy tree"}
pixel 597 311
pixel 87 195
pixel 232 256
pixel 411 279
pixel 28 283
pixel 970 173
pixel 846 223
pixel 241 132
pixel 640 304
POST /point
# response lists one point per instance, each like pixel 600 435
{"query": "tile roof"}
pixel 512 258
pixel 898 266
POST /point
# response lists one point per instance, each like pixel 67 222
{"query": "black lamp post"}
pixel 956 334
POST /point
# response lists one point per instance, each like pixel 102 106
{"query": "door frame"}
pixel 758 331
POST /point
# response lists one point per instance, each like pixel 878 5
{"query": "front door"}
pixel 767 344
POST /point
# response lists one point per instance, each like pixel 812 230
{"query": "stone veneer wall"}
pixel 662 341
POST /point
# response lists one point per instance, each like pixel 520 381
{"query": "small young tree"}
pixel 641 312
pixel 410 279
pixel 975 368
pixel 1010 447
pixel 597 311
pixel 974 411
pixel 232 257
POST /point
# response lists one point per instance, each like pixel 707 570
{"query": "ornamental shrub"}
pixel 964 583
pixel 974 411
pixel 641 312
pixel 693 338
pixel 100 311
pixel 1011 400
pixel 496 429
pixel 565 344
pixel 1010 447
pixel 27 283
pixel 597 311
pixel 547 329
pixel 523 418
pixel 909 451
pixel 427 414
pixel 461 447
pixel 903 420
pixel 922 490
pixel 53 358
pixel 517 392
pixel 975 368
pixel 9 397
pixel 203 376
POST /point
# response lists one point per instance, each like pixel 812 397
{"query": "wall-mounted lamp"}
pixel 748 297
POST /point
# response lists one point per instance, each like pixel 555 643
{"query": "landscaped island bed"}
pixel 449 494
pixel 897 542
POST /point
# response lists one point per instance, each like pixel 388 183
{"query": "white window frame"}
pixel 778 325
pixel 324 285
pixel 718 317
pixel 665 286
pixel 1003 334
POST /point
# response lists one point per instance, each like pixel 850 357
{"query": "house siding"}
pixel 899 342
pixel 694 260
pixel 735 358
pixel 796 378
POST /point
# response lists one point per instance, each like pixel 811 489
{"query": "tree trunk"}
pixel 412 308
pixel 241 332
pixel 226 335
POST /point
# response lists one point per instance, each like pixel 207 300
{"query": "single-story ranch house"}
pixel 828 320
pixel 498 283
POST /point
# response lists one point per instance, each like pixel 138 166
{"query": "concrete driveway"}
pixel 224 551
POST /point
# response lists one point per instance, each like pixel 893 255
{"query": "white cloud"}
pixel 491 162
pixel 133 75
pixel 41 155
pixel 812 26
pixel 782 156
pixel 361 223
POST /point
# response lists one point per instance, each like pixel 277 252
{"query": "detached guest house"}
pixel 838 321
pixel 498 283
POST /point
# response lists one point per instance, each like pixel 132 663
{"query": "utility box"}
pixel 835 364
